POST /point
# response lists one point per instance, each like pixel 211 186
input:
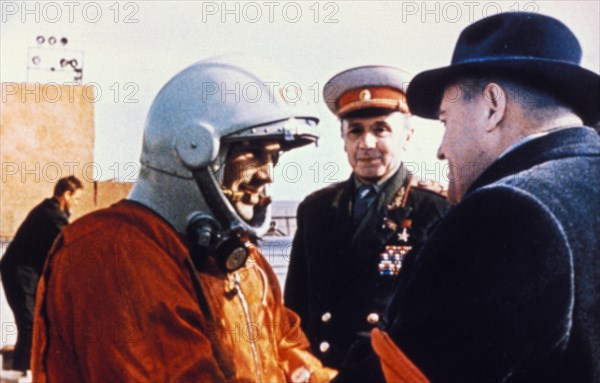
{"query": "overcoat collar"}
pixel 560 144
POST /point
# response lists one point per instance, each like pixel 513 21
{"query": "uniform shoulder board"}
pixel 430 185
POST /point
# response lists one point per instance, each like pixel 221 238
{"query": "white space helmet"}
pixel 194 118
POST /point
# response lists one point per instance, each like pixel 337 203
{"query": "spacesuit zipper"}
pixel 250 327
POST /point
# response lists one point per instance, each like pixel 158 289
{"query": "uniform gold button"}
pixel 326 317
pixel 373 318
pixel 324 346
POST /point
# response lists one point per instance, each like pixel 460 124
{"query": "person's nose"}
pixel 367 141
pixel 265 172
pixel 440 153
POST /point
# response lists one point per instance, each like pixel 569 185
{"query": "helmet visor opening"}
pixel 291 133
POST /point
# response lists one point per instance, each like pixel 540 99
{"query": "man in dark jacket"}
pixel 507 288
pixel 24 260
pixel 353 237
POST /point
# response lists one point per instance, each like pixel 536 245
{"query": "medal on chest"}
pixel 396 221
pixel 390 259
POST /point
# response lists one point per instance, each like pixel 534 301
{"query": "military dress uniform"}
pixel 342 275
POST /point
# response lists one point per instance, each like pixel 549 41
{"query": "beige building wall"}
pixel 47 132
pixel 109 192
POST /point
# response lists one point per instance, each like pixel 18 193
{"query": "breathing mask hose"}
pixel 219 238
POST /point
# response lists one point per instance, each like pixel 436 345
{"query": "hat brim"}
pixel 574 85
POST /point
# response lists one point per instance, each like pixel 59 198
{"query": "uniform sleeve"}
pixel 122 310
pixel 294 350
pixel 296 283
pixel 428 210
pixel 440 208
pixel 293 347
pixel 491 294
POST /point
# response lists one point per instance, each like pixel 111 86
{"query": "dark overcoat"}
pixel 333 281
pixel 33 239
pixel 22 265
pixel 507 288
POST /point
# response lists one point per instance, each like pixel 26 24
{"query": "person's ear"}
pixel 343 123
pixel 496 99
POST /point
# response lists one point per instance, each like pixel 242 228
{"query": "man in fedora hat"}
pixel 353 237
pixel 507 287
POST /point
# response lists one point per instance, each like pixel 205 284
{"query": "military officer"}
pixel 355 238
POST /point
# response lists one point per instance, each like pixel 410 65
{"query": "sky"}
pixel 129 49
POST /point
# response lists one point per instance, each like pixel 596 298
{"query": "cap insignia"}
pixel 364 95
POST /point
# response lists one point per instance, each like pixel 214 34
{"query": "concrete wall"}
pixel 47 132
pixel 109 192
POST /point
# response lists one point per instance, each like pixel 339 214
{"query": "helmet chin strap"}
pixel 222 208
pixel 232 195
pixel 225 236
pixel 245 197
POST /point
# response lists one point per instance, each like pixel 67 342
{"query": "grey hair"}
pixel 537 102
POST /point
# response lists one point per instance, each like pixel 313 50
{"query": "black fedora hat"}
pixel 525 47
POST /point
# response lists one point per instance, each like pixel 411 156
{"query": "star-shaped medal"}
pixel 403 236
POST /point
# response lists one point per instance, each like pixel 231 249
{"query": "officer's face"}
pixel 374 144
pixel 248 169
pixel 465 141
